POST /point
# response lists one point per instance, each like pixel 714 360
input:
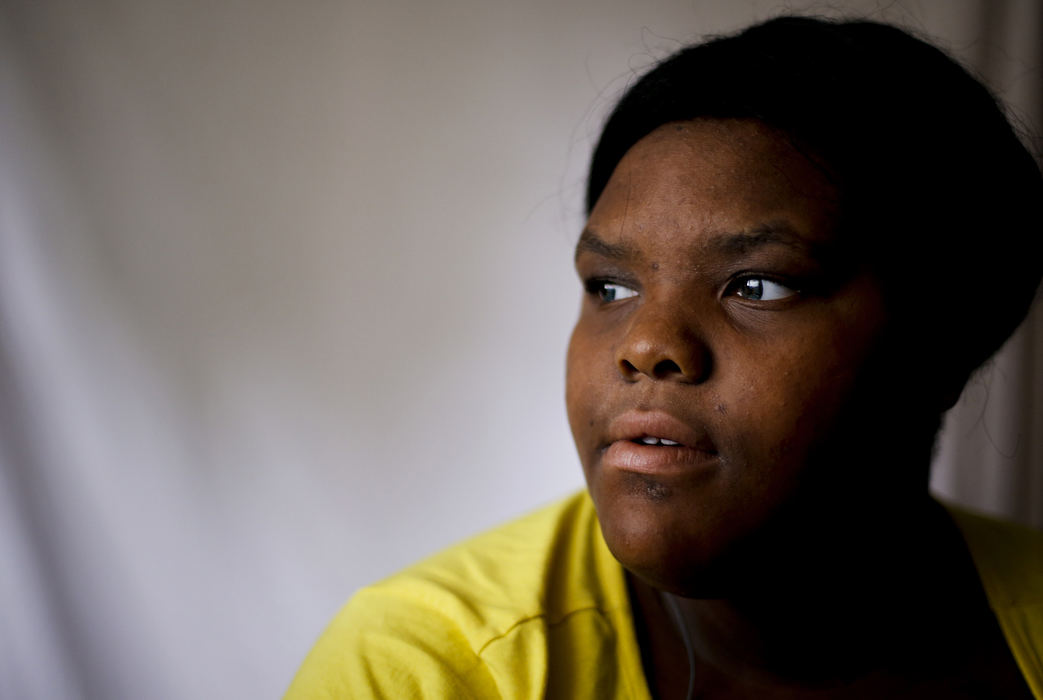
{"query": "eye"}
pixel 761 289
pixel 608 292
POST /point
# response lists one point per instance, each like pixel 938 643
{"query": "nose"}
pixel 659 344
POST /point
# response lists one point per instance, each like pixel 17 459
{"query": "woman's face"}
pixel 716 375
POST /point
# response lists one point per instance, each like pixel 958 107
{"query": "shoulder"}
pixel 1009 560
pixel 1008 556
pixel 479 615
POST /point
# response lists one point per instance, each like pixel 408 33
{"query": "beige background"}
pixel 284 295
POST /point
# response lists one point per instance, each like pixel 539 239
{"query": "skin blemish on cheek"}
pixel 721 408
pixel 655 266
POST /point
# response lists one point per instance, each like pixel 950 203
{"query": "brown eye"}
pixel 761 289
pixel 608 292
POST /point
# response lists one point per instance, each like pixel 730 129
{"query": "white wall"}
pixel 284 295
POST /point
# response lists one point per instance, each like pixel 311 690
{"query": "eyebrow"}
pixel 734 243
pixel 590 242
pixel 772 233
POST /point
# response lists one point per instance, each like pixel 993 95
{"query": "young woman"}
pixel 802 240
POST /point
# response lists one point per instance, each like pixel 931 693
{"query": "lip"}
pixel 622 451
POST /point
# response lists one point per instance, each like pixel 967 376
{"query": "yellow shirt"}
pixel 538 608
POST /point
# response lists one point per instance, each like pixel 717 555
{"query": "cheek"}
pixel 816 395
pixel 578 366
pixel 588 379
pixel 801 397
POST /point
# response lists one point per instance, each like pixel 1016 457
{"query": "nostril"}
pixel 628 369
pixel 671 358
pixel 666 368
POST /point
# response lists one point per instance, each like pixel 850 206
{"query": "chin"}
pixel 661 544
pixel 688 577
pixel 693 540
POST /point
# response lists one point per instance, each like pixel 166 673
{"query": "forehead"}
pixel 688 181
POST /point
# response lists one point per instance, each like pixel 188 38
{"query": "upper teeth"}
pixel 658 441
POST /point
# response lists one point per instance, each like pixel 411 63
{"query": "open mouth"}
pixel 649 440
pixel 636 441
